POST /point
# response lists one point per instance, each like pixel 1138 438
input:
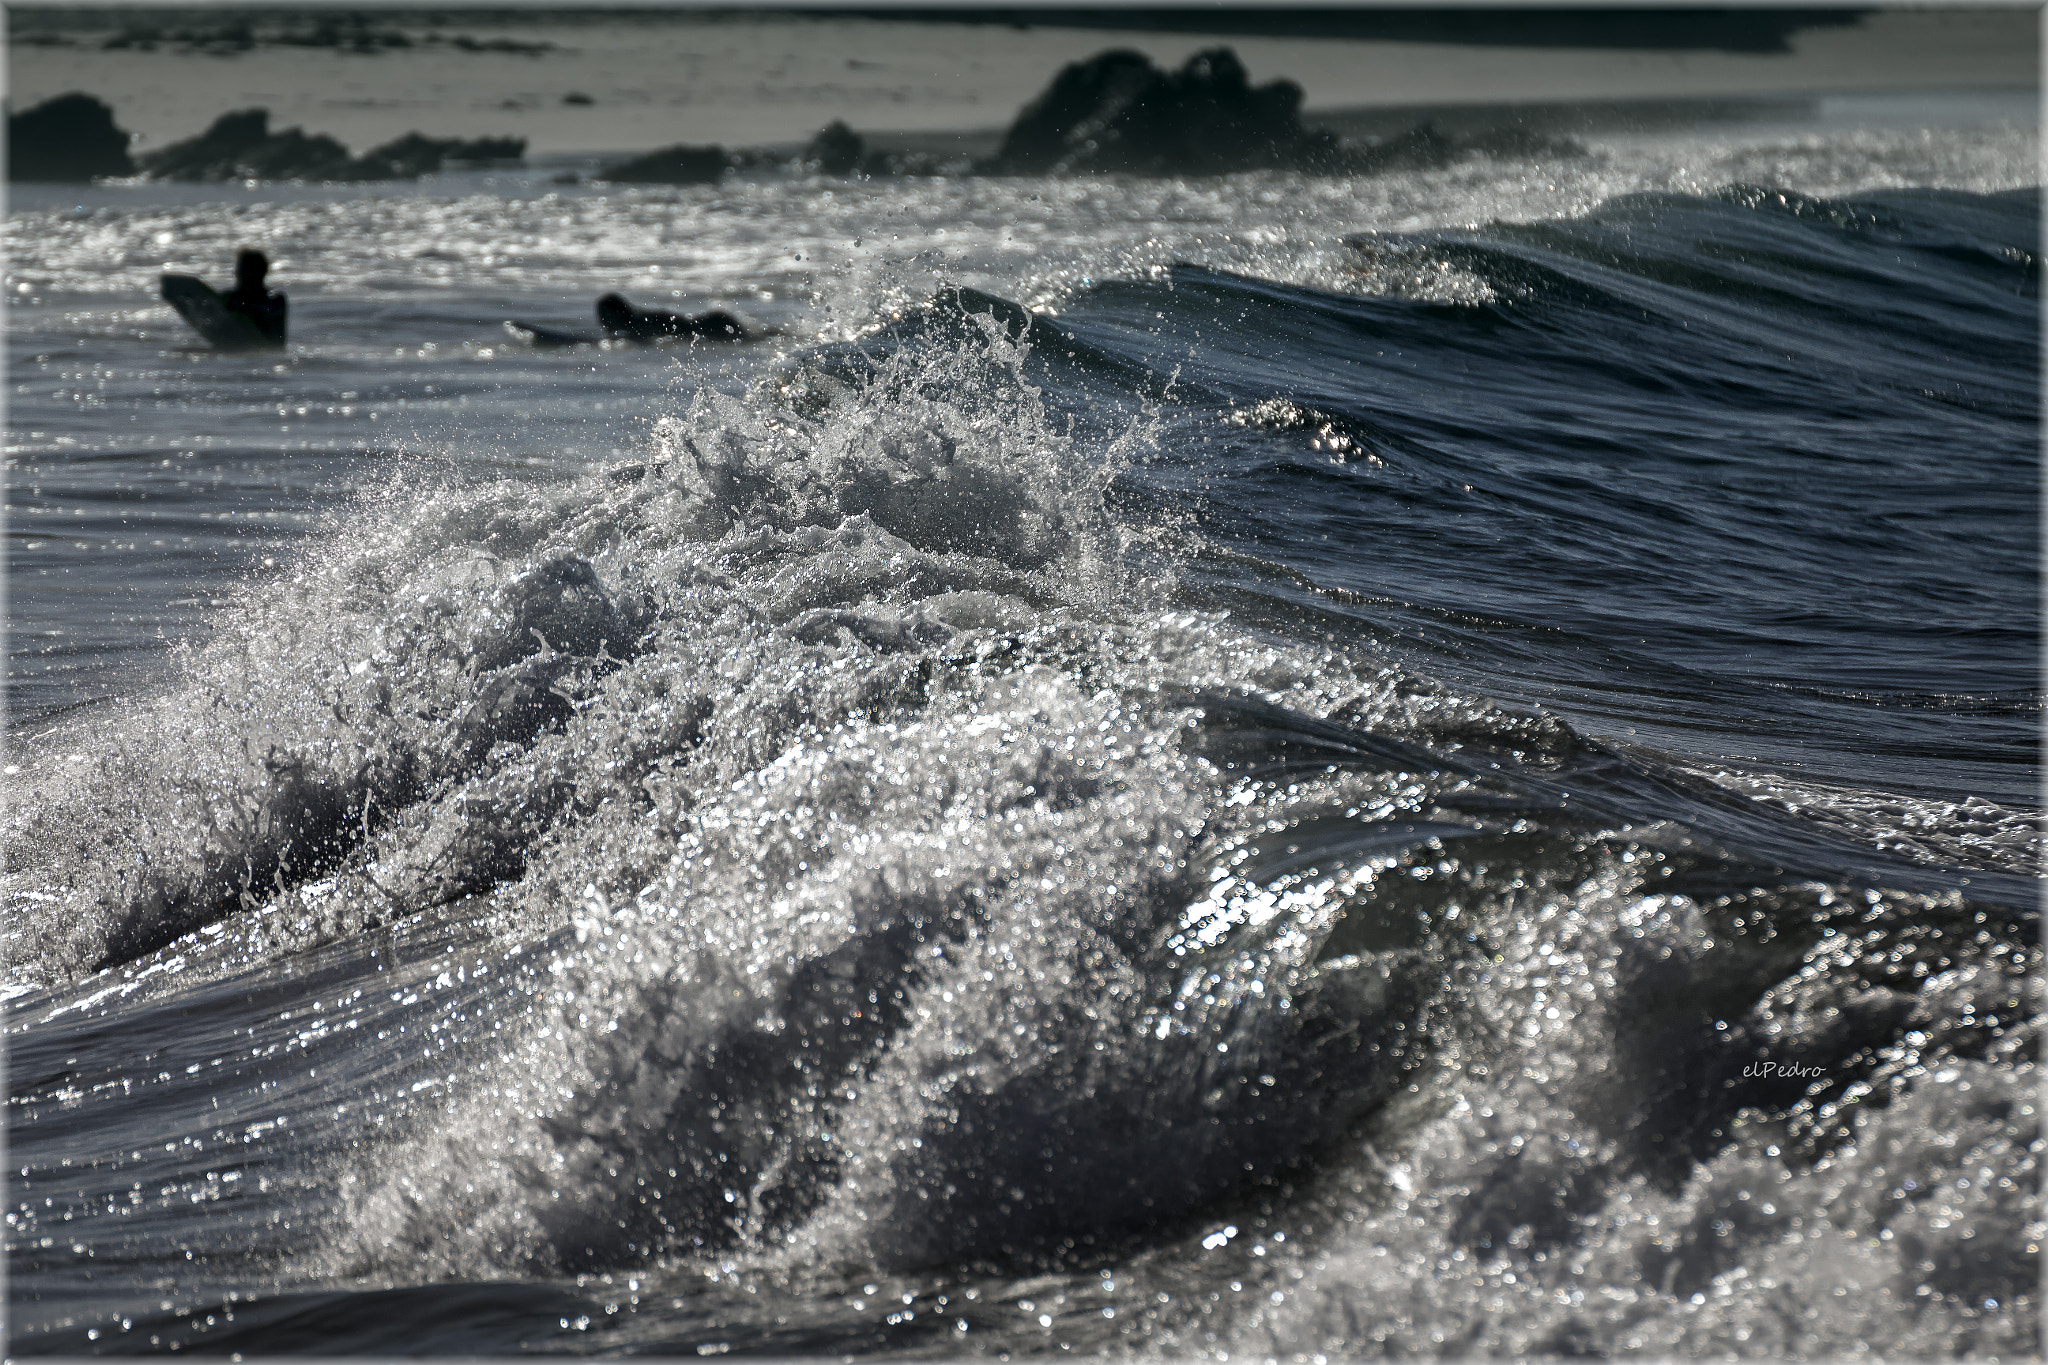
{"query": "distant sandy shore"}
pixel 763 79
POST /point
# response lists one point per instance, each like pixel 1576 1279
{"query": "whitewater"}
pixel 1254 767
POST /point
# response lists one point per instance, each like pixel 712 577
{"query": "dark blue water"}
pixel 1755 474
pixel 1476 793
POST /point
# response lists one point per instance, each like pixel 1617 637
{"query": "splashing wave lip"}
pixel 512 612
pixel 1004 1204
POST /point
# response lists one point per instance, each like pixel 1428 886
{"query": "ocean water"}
pixel 1245 768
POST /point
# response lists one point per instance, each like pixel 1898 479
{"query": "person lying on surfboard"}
pixel 263 306
pixel 623 321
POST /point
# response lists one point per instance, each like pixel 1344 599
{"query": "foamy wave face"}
pixel 411 711
pixel 700 1047
pixel 940 986
pixel 1528 1215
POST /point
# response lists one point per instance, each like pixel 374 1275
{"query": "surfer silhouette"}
pixel 247 317
pixel 623 321
pixel 263 306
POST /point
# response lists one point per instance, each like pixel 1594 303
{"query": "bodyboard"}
pixel 206 314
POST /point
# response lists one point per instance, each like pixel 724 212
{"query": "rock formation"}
pixel 836 150
pixel 71 138
pixel 240 146
pixel 1118 112
pixel 681 164
pixel 415 155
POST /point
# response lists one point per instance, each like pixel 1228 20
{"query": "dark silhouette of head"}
pixel 250 268
pixel 614 314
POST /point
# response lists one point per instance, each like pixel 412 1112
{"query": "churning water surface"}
pixel 1436 764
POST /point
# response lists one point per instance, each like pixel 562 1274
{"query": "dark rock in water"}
pixel 212 154
pixel 681 164
pixel 485 149
pixel 415 155
pixel 836 150
pixel 240 146
pixel 1118 112
pixel 71 138
pixel 1085 95
pixel 294 155
pixel 577 97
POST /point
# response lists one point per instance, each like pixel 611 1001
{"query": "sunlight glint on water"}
pixel 1439 764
